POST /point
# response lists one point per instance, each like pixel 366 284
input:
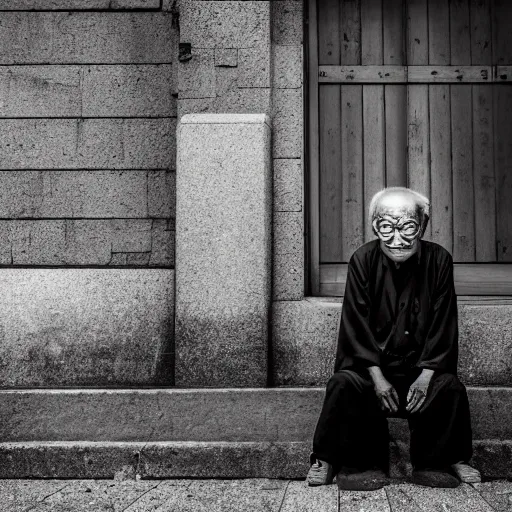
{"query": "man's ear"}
pixel 424 224
pixel 374 226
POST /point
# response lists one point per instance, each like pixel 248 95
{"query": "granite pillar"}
pixel 223 255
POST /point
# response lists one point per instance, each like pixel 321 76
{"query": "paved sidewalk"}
pixel 255 495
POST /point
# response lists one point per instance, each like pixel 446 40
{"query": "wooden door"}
pixel 414 93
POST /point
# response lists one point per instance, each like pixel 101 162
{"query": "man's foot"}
pixel 466 473
pixel 349 479
pixel 320 472
pixel 434 478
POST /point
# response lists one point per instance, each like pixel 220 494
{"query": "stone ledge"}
pixel 198 460
pixel 225 119
pixel 304 342
pixel 273 415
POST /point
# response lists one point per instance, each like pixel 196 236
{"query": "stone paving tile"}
pixel 415 498
pixel 156 499
pixel 301 498
pixel 21 495
pixel 498 494
pixel 367 501
pixel 255 495
pixel 95 496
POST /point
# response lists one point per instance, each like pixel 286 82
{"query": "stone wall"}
pixel 87 133
pixel 88 106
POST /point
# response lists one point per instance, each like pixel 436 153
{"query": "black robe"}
pixel 405 317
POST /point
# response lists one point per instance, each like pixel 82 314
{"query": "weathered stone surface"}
pixel 304 343
pixel 287 123
pixel 288 256
pixel 223 229
pixel 76 5
pixel 493 458
pixel 90 91
pixel 498 494
pixel 85 38
pixel 369 501
pixel 131 235
pixel 16 495
pixel 162 194
pixel 87 143
pixel 197 75
pixel 287 66
pixel 87 242
pixel 162 243
pixel 85 326
pixel 288 181
pixel 226 57
pixel 254 67
pixel 301 498
pixel 287 22
pixel 219 24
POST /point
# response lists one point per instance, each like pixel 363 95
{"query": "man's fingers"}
pixel 414 400
pixel 385 402
pixel 419 405
pixel 395 396
pixel 409 394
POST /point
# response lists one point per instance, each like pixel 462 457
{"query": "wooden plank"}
pixel 449 74
pixel 411 74
pixel 462 138
pixel 330 147
pixel 314 152
pixel 503 170
pixel 353 207
pixel 440 166
pixel 351 134
pixel 417 33
pixel 350 30
pixel 362 74
pixel 470 279
pixel 502 44
pixel 418 175
pixel 483 136
pixel 438 32
pixel 503 74
pixel 374 142
pixel 440 133
pixel 395 96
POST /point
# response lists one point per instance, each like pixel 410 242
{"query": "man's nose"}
pixel 397 241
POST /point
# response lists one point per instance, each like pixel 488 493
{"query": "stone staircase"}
pixel 187 433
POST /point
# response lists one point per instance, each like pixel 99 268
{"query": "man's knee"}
pixel 450 382
pixel 342 380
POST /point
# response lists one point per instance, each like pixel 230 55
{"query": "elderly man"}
pixel 397 356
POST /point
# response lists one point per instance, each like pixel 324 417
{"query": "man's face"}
pixel 397 223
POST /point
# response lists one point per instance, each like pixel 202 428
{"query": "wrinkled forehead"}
pixel 398 205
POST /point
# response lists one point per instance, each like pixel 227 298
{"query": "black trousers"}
pixel 352 430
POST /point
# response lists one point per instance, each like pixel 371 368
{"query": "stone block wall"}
pixel 87 133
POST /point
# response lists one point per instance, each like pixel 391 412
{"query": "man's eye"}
pixel 385 229
pixel 409 228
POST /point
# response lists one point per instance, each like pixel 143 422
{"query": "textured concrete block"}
pixel 162 194
pixel 38 243
pixel 95 327
pixel 288 256
pixel 287 22
pixel 219 24
pixel 131 235
pixel 254 67
pixel 223 231
pixel 304 342
pixel 88 242
pixel 76 5
pixel 128 91
pixel 288 67
pixel 85 38
pixel 162 243
pixel 288 182
pixel 5 244
pixel 226 57
pixel 87 143
pixel 287 123
pixel 197 75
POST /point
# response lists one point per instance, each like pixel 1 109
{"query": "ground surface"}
pixel 243 495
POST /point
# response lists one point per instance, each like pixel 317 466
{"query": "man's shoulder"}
pixel 364 251
pixel 436 252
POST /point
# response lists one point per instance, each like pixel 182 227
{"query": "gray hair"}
pixel 421 201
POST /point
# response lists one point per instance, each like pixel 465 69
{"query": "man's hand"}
pixel 418 391
pixel 386 393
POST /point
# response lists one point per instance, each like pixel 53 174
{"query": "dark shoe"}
pixel 434 478
pixel 349 479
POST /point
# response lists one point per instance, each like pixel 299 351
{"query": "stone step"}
pixel 206 433
pixel 201 415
